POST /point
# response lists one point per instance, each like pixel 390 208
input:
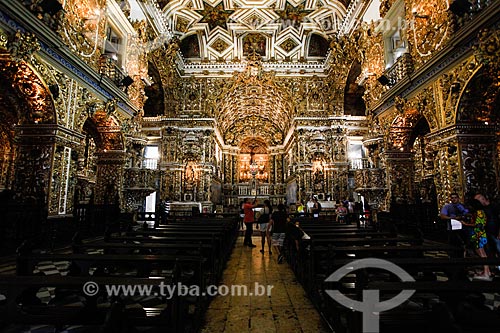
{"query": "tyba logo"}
pixel 371 305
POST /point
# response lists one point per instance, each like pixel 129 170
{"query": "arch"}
pixel 38 103
pixel 190 47
pixel 401 132
pixel 11 106
pixel 91 130
pixel 155 105
pixel 254 106
pixel 318 46
pixel 256 145
pixel 479 101
pixel 107 131
pixel 420 129
pixel 354 104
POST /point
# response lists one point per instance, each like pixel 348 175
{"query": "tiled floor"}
pixel 287 309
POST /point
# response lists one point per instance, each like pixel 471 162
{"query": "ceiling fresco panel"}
pixel 285 25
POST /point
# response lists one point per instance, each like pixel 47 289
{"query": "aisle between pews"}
pixel 286 310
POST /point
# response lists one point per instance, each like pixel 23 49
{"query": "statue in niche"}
pixel 319 182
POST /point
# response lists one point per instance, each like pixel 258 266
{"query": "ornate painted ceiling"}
pixel 278 30
pixel 255 47
pixel 255 107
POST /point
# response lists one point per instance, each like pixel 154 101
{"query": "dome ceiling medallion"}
pixel 278 30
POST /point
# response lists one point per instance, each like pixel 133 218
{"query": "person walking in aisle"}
pixel 263 222
pixel 277 224
pixel 249 219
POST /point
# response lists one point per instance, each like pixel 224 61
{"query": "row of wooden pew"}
pixel 189 253
pixel 443 287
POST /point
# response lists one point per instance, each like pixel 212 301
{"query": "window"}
pixel 113 45
pixel 151 157
pixel 118 33
pixel 356 155
pixel 393 28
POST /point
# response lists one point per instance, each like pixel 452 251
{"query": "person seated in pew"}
pixel 478 235
pixel 294 234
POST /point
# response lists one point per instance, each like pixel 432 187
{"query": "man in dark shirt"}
pixel 455 210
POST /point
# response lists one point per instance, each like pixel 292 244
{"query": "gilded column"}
pixel 109 182
pixel 33 167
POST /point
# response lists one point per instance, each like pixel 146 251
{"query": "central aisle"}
pixel 287 309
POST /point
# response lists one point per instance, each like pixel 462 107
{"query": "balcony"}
pixel 140 179
pixel 108 67
pixel 402 68
pixel 150 163
pixel 360 163
pixel 369 179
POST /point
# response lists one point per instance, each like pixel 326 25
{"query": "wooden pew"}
pixel 180 218
pixel 222 240
pixel 452 267
pixel 81 264
pixel 196 249
pixel 22 307
pixel 217 256
pixel 349 234
pixel 365 241
pixel 462 299
pixel 397 320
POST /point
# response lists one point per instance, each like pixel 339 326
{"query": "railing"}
pixel 150 163
pixel 109 68
pixel 246 190
pixel 140 178
pixel 402 68
pixel 465 14
pixel 360 163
